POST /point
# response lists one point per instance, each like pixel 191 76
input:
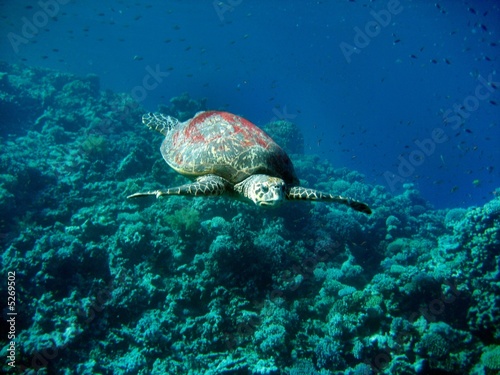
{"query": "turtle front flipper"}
pixel 301 193
pixel 209 185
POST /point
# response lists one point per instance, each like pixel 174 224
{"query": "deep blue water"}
pixel 264 59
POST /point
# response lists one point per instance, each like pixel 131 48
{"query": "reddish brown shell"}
pixel 226 145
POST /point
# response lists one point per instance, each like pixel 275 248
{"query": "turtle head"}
pixel 263 190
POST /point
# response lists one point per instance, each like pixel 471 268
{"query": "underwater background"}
pixel 393 103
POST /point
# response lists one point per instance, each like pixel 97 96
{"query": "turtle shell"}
pixel 226 145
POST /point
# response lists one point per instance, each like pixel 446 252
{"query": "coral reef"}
pixel 287 135
pixel 215 286
pixel 183 107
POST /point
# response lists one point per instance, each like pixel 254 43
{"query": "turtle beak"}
pixel 270 194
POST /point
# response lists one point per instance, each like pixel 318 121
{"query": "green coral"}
pixel 95 145
pixel 186 218
pixel 491 357
pixel 435 345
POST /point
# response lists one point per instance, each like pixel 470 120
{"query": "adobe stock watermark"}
pixel 121 109
pixel 429 311
pixel 363 38
pixel 293 279
pixel 454 117
pixel 282 114
pixel 223 6
pixel 39 19
pixel 150 82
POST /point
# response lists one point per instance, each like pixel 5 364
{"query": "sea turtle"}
pixel 226 154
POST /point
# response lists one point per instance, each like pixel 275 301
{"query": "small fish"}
pixel 472 10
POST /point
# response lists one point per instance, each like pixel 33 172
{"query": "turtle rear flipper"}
pixel 209 185
pixel 159 122
pixel 301 193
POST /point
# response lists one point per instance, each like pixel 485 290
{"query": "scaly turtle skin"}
pixel 227 154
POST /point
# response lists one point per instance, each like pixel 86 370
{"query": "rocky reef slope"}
pixel 106 285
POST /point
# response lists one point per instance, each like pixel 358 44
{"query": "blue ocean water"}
pixel 363 100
